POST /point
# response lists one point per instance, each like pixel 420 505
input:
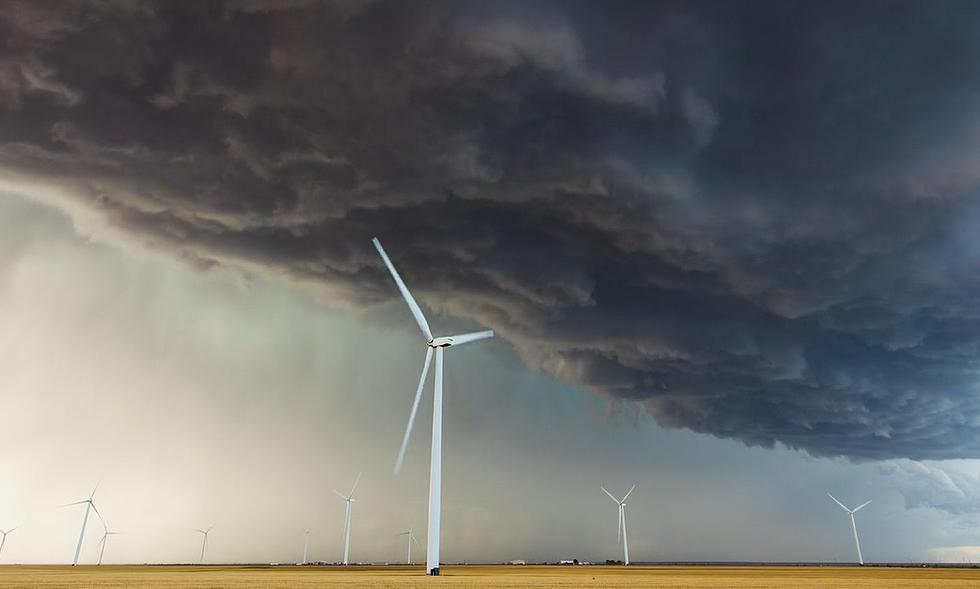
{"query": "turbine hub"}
pixel 440 342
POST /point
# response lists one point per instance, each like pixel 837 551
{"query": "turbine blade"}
pixel 628 493
pixel 105 524
pixel 610 495
pixel 415 409
pixel 97 511
pixel 212 525
pixel 95 489
pixel 860 507
pixel 466 338
pixel 200 530
pixel 75 503
pixel 357 480
pixel 842 506
pixel 339 494
pixel 412 305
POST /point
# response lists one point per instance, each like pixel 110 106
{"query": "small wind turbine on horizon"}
pixel 204 542
pixel 88 507
pixel 105 536
pixel 411 538
pixel 349 498
pixel 306 544
pixel 4 539
pixel 621 524
pixel 439 344
pixel 850 513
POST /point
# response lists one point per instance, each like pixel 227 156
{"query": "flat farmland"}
pixel 380 577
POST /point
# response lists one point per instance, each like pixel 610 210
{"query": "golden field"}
pixel 380 577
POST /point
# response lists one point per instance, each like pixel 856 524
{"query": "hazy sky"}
pixel 729 251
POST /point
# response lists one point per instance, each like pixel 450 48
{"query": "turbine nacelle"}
pixel 458 340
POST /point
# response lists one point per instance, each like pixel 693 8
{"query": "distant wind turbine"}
pixel 851 512
pixel 4 539
pixel 204 542
pixel 411 538
pixel 89 505
pixel 105 536
pixel 439 344
pixel 621 525
pixel 349 498
pixel 306 544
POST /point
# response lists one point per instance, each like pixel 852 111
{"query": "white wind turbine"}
pixel 4 539
pixel 89 505
pixel 435 464
pixel 851 512
pixel 349 498
pixel 411 538
pixel 306 544
pixel 105 536
pixel 204 541
pixel 621 524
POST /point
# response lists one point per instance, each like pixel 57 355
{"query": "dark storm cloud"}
pixel 758 220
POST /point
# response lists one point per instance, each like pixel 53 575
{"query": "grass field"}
pixel 192 577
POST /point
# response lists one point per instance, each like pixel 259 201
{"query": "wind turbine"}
pixel 102 542
pixel 89 506
pixel 4 539
pixel 439 344
pixel 204 543
pixel 306 543
pixel 621 525
pixel 349 498
pixel 411 538
pixel 851 512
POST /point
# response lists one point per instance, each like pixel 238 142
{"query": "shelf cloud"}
pixel 757 220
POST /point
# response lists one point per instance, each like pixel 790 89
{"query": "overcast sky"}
pixel 729 251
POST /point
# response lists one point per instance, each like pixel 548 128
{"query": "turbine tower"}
pixel 349 498
pixel 439 344
pixel 102 542
pixel 204 542
pixel 4 539
pixel 850 513
pixel 89 505
pixel 306 544
pixel 411 538
pixel 621 524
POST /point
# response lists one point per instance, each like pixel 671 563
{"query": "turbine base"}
pixel 434 572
